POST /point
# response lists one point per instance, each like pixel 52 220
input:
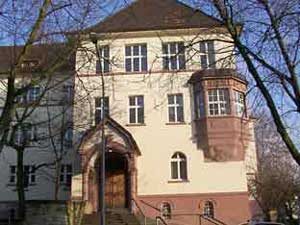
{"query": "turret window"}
pixel 239 103
pixel 218 102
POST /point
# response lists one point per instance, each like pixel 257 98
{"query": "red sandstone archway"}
pixel 121 166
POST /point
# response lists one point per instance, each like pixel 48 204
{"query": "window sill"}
pixel 178 181
pixel 135 125
pixel 176 123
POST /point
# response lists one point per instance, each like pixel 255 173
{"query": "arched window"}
pixel 166 210
pixel 209 209
pixel 178 166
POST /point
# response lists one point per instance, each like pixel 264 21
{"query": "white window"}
pixel 218 102
pixel 33 94
pixel 68 90
pixel 178 167
pixel 136 109
pixel 207 54
pixel 173 56
pixel 166 210
pixel 25 133
pixel 29 175
pixel 239 103
pixel 136 58
pixel 175 106
pixel 66 174
pixel 208 209
pixel 99 103
pixel 102 65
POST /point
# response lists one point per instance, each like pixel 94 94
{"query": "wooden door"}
pixel 115 189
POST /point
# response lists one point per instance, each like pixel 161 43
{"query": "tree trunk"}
pixel 20 184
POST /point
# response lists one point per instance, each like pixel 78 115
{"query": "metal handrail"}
pixel 159 218
pixel 140 210
pixel 212 220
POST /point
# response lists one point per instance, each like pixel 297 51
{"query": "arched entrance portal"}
pixel 117 182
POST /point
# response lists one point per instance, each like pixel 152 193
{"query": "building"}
pixel 179 138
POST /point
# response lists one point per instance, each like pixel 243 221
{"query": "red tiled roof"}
pixel 145 15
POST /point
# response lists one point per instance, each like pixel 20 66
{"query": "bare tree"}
pixel 266 36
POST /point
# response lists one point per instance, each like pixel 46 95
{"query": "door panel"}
pixel 115 189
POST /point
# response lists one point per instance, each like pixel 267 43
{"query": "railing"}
pixel 139 213
pixel 159 220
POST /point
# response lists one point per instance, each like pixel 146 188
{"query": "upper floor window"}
pixel 66 174
pixel 136 58
pixel 102 64
pixel 68 90
pixel 207 54
pixel 25 133
pixel 178 166
pixel 239 103
pixel 136 109
pixel 33 94
pixel 99 104
pixel 218 102
pixel 166 210
pixel 175 106
pixel 208 209
pixel 173 56
pixel 29 175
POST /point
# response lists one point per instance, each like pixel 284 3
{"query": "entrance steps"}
pixel 113 217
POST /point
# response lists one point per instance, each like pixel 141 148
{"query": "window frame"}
pixel 239 106
pixel 176 106
pixel 179 161
pixel 99 108
pixel 103 64
pixel 66 174
pixel 209 209
pixel 132 57
pixel 219 102
pixel 136 108
pixel 29 177
pixel 25 130
pixel 167 56
pixel 207 53
pixel 32 94
pixel 166 215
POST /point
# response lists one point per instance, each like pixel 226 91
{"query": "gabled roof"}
pixel 46 55
pixel 143 15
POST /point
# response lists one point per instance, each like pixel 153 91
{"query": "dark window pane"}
pixel 98 116
pixel 32 178
pixel 144 64
pixel 171 114
pixel 181 48
pixel 131 100
pixel 174 63
pixel 202 47
pixel 68 180
pixel 61 178
pixel 179 99
pixel 140 100
pixel 144 50
pixel 211 54
pixel 174 170
pixel 106 52
pixel 173 48
pixel 128 50
pixel 136 64
pixel 170 99
pixel 165 49
pixel 106 66
pixel 132 116
pixel 136 50
pixel 69 168
pixel 98 66
pixel 141 115
pixel 128 65
pixel 181 62
pixel 183 171
pixel 180 114
pixel 203 61
pixel 165 63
